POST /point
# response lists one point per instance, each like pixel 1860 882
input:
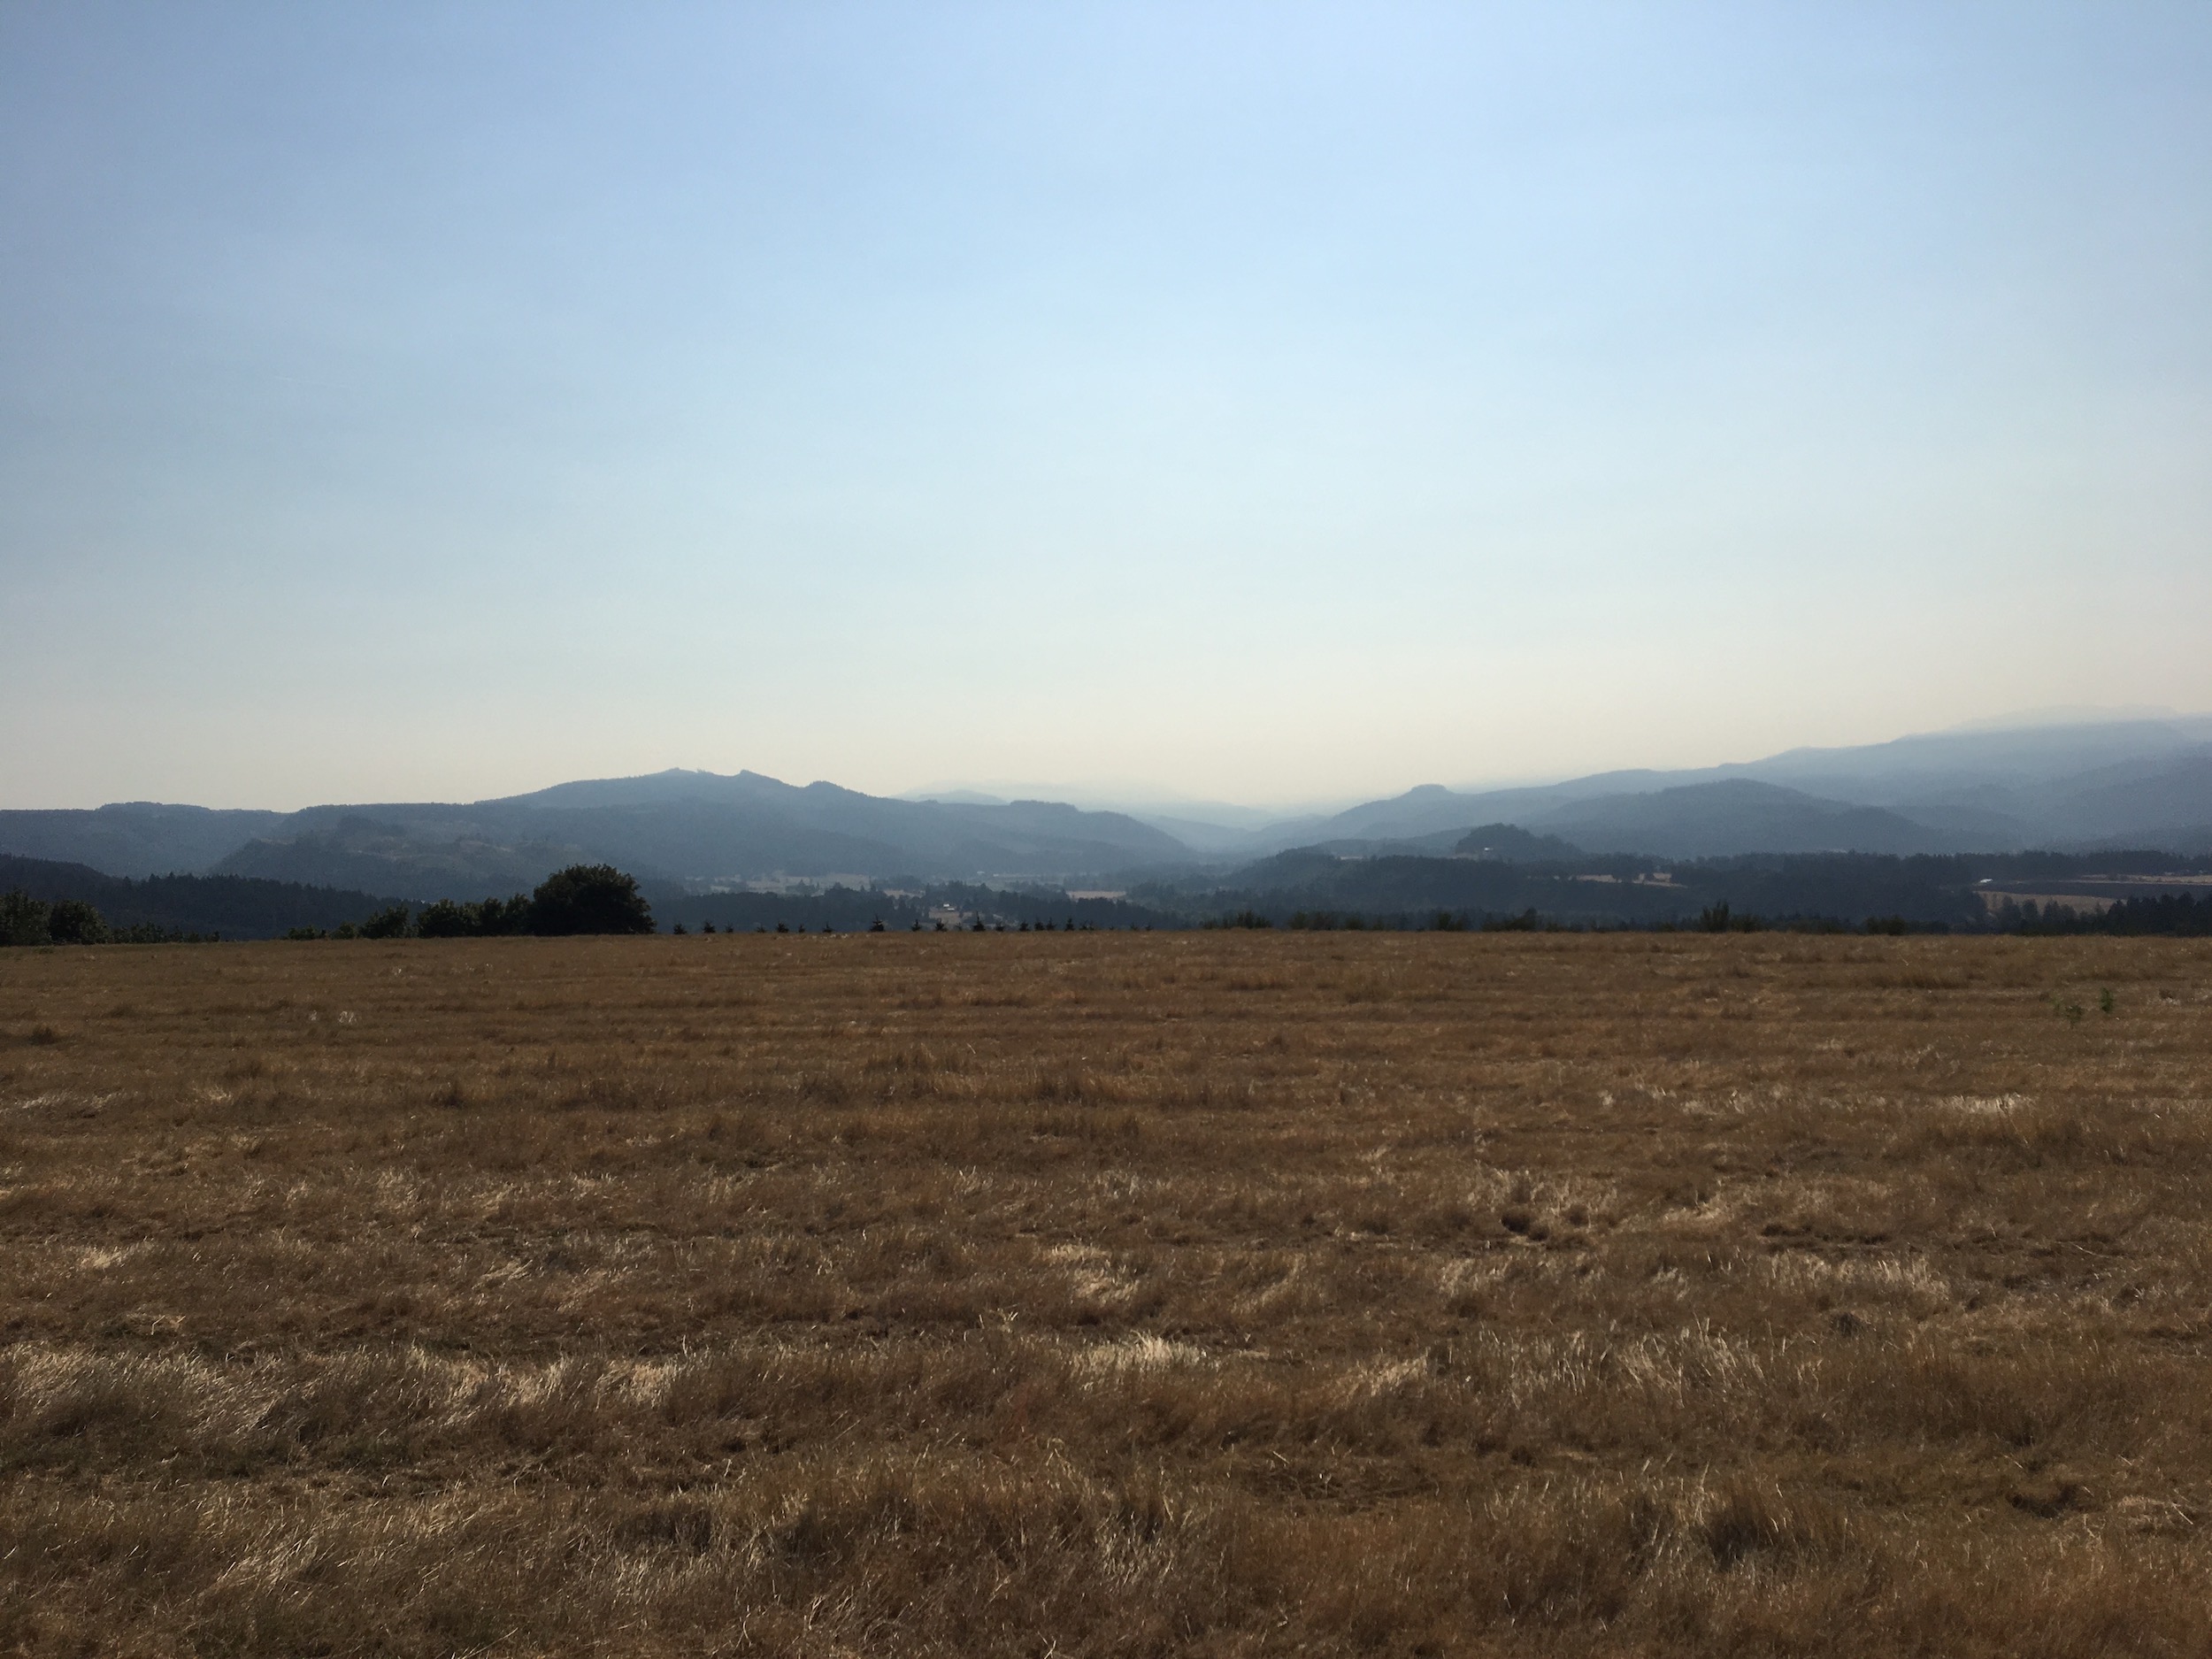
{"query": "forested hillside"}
pixel 236 907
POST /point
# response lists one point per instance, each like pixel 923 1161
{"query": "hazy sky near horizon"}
pixel 1261 401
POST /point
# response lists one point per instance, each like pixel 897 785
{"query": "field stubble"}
pixel 1095 1293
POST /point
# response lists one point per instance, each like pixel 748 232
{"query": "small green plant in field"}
pixel 2071 1012
pixel 2104 1000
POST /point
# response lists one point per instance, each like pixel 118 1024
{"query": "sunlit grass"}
pixel 1097 1293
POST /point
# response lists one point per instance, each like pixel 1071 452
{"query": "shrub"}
pixel 589 899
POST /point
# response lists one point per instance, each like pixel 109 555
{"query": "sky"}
pixel 1269 403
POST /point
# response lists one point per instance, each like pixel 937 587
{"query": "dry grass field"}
pixel 1108 1294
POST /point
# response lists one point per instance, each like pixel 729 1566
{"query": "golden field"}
pixel 1104 1294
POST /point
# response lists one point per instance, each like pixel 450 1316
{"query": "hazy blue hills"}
pixel 679 826
pixel 1696 820
pixel 2168 805
pixel 1712 820
pixel 411 856
pixel 1510 843
pixel 136 838
pixel 2138 783
pixel 926 837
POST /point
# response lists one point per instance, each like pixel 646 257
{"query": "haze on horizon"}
pixel 1246 402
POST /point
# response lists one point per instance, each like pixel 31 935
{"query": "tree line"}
pixel 183 907
pixel 2171 915
pixel 25 920
pixel 601 899
pixel 1314 888
pixel 581 899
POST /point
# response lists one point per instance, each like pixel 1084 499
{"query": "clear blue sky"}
pixel 1260 403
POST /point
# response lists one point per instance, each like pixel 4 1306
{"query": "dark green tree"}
pixel 391 924
pixel 589 899
pixel 23 919
pixel 75 922
pixel 445 919
pixel 497 917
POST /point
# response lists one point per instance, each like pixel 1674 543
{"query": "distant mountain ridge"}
pixel 134 838
pixel 688 826
pixel 2139 783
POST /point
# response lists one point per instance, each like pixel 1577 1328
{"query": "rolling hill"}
pixel 677 825
pixel 2137 783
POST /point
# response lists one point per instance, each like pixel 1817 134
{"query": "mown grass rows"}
pixel 1685 1396
pixel 1107 1295
pixel 965 1555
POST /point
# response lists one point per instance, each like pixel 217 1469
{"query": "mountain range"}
pixel 2135 783
pixel 691 826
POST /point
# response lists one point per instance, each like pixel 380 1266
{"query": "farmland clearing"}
pixel 1103 1293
